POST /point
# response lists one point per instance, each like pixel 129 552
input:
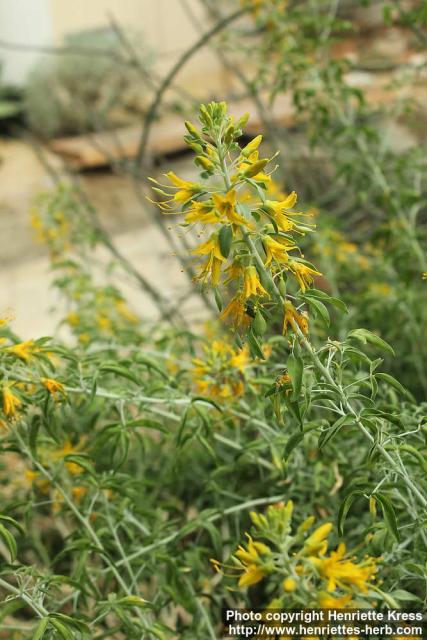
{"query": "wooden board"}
pixel 166 135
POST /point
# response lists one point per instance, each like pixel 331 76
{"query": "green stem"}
pixel 152 109
pixel 37 608
pixel 217 516
pixel 316 360
pixel 84 521
pixel 337 388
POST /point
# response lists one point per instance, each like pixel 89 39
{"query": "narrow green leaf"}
pixel 82 461
pixel 295 366
pixel 389 515
pixel 133 601
pixel 13 522
pixel 345 508
pixel 63 631
pixel 9 541
pixel 255 346
pixel 225 239
pixel 292 443
pixel 119 371
pixel 396 384
pixel 330 433
pixel 218 299
pixel 320 309
pixel 41 628
pixel 365 336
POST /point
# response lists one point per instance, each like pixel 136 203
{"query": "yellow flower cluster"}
pixel 300 564
pixel 252 236
pixel 14 390
pixel 55 233
pixel 220 373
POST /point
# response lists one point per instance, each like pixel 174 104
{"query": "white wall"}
pixel 26 22
pixel 165 24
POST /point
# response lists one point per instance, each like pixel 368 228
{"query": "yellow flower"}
pixel 283 217
pixel 241 359
pixel 6 318
pixel 283 381
pixel 67 449
pixel 125 312
pixel 277 250
pixel 254 569
pixel 11 403
pixel 344 249
pixel 78 493
pixel 289 584
pixel 303 273
pixel 406 637
pixel 53 386
pixel 251 146
pixel 252 167
pixel 251 283
pixel 73 319
pixel 225 205
pixel 234 271
pixel 212 267
pixel 326 601
pixel 103 322
pixel 186 189
pixel 23 350
pixel 202 212
pixel 316 543
pixel 33 478
pixel 293 316
pixel 382 289
pixel 344 573
pixel 306 525
pixel 218 375
pixel 235 311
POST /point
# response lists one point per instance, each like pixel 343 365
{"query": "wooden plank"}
pixel 166 135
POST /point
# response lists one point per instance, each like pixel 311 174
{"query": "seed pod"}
pixel 259 324
pixel 218 299
pixel 225 239
pixel 282 287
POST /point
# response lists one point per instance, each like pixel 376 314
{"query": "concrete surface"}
pixel 25 280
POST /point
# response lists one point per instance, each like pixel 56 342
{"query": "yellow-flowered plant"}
pixel 253 260
pixel 297 563
pixel 220 372
pixel 252 244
